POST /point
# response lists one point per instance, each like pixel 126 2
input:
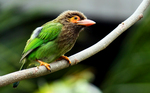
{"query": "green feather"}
pixel 48 33
pixel 24 65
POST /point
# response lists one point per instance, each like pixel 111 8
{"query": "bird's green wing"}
pixel 42 35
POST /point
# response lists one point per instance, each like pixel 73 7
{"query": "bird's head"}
pixel 74 19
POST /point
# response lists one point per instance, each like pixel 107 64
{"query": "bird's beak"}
pixel 86 22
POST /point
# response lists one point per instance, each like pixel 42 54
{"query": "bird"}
pixel 52 40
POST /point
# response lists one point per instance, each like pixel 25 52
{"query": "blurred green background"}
pixel 123 67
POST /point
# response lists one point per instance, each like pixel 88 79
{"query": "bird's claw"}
pixel 66 58
pixel 45 64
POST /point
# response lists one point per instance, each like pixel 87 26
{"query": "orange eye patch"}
pixel 74 19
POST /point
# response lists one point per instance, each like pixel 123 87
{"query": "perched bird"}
pixel 53 39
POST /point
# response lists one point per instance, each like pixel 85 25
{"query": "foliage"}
pixel 130 70
pixel 74 83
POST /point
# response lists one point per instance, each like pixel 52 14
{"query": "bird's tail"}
pixel 15 84
pixel 24 66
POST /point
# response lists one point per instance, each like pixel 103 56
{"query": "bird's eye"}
pixel 74 19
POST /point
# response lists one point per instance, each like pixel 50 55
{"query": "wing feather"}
pixel 40 36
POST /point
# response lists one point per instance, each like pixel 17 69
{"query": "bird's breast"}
pixel 66 40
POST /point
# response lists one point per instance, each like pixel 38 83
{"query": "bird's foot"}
pixel 66 58
pixel 43 63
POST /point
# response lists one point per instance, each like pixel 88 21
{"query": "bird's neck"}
pixel 67 38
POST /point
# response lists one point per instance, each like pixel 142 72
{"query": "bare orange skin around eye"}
pixel 74 19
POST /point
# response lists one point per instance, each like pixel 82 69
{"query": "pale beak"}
pixel 86 22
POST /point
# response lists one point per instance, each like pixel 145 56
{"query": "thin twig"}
pixel 76 58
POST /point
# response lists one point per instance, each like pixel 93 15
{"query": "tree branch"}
pixel 78 57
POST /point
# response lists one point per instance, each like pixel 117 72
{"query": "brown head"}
pixel 74 20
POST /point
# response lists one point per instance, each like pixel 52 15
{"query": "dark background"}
pixel 123 67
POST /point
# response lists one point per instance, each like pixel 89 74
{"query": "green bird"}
pixel 53 39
